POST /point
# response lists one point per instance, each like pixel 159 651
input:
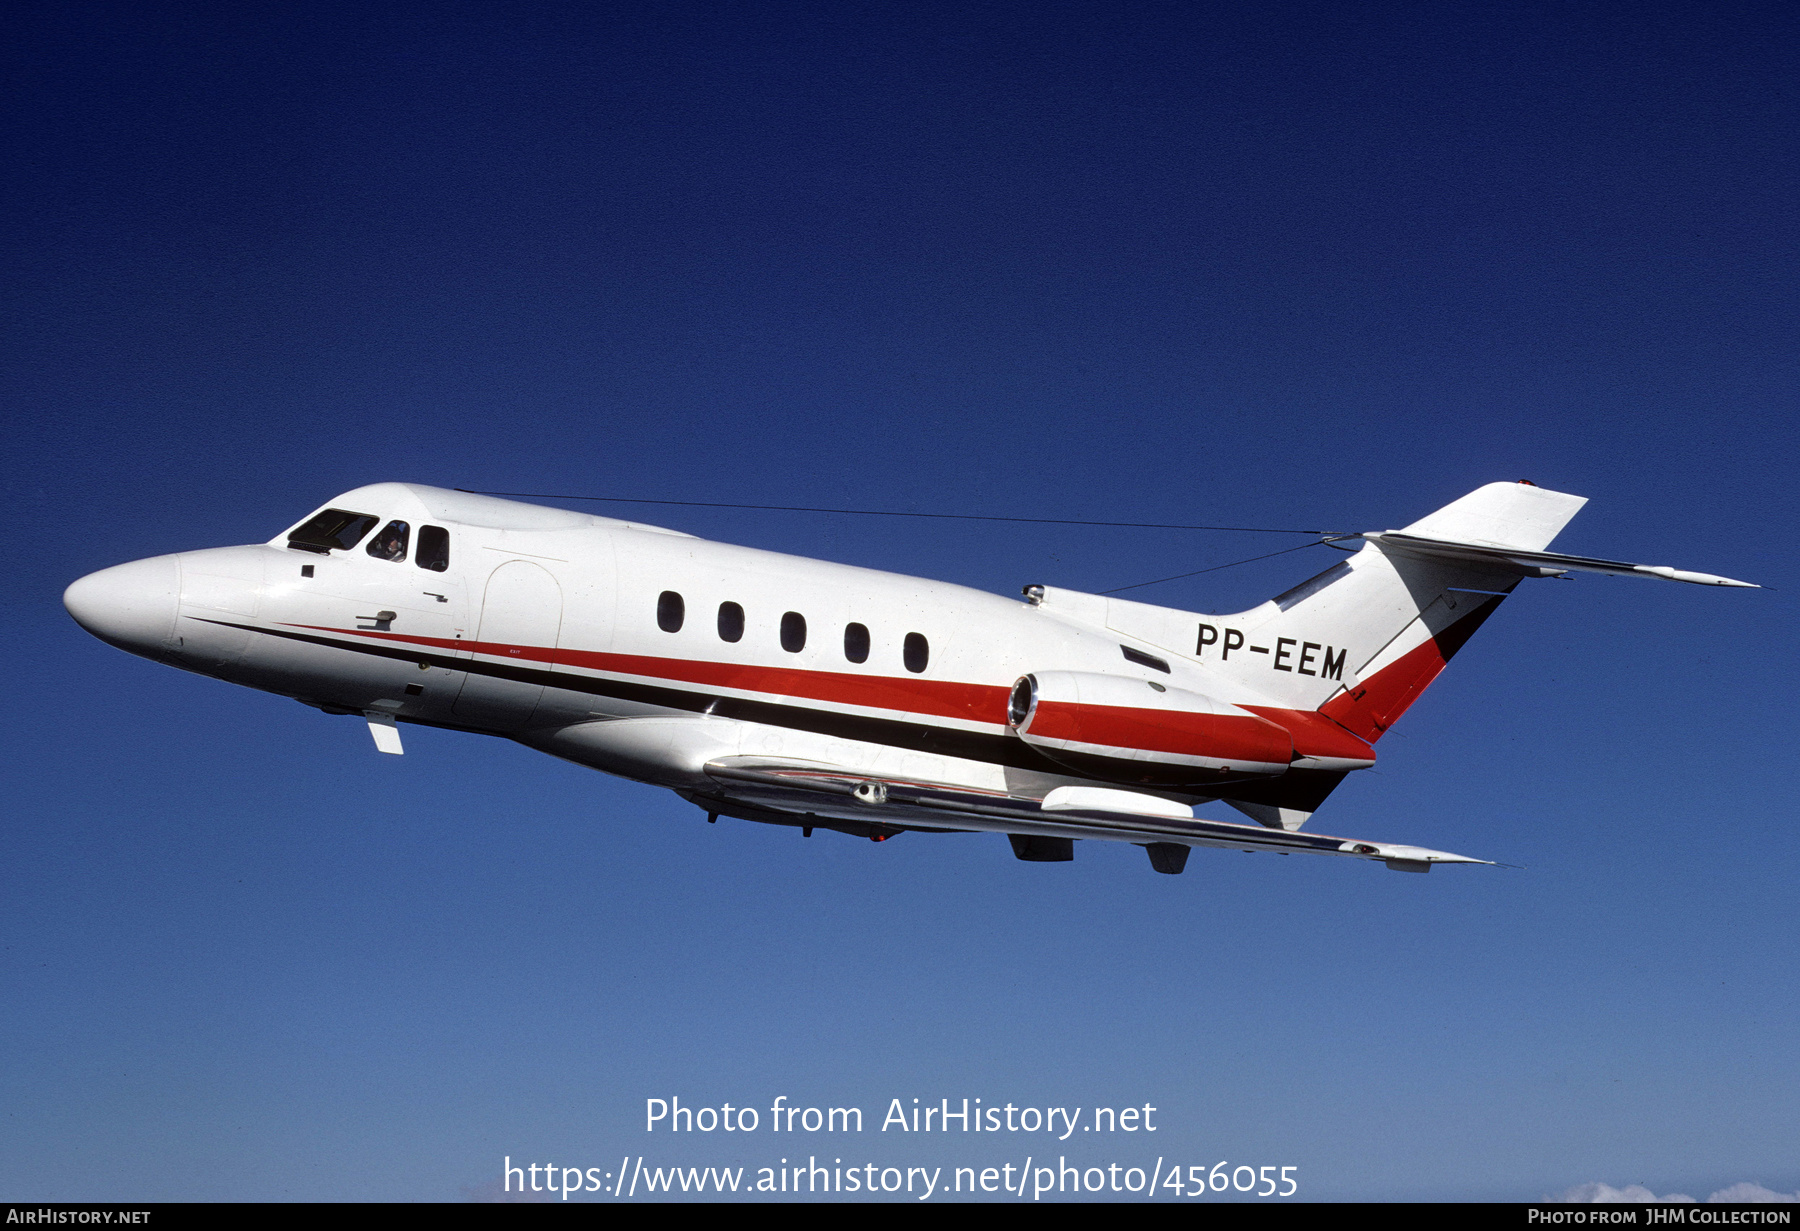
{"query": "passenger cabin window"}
pixel 793 632
pixel 391 543
pixel 670 611
pixel 434 548
pixel 332 530
pixel 916 652
pixel 856 643
pixel 731 622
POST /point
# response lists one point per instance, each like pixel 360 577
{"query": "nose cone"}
pixel 132 606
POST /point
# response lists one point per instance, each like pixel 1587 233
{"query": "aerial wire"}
pixel 794 508
pixel 1215 568
pixel 1325 536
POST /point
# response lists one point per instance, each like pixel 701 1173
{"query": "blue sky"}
pixel 1297 266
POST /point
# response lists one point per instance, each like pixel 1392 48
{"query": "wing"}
pixel 803 789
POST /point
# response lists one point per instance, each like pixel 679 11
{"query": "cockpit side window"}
pixel 434 548
pixel 332 530
pixel 391 543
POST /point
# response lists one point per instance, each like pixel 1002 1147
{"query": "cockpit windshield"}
pixel 332 530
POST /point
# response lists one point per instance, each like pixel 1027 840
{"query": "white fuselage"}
pixel 648 653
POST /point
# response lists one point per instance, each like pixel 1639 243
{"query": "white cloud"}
pixel 1605 1194
pixel 1744 1194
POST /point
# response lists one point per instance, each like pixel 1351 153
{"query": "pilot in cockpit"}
pixel 390 544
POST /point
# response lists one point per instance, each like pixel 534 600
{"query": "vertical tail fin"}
pixel 1360 641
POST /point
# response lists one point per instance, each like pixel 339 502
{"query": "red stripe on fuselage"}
pixel 981 703
pixel 1316 735
pixel 1311 733
pixel 1224 736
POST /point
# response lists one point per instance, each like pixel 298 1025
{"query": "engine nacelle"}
pixel 1135 730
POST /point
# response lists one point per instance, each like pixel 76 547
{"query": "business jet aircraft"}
pixel 773 688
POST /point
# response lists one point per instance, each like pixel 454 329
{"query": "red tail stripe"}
pixel 1375 704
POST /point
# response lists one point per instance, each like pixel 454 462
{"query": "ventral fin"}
pixel 385 731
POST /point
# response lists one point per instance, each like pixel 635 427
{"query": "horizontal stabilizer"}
pixel 1537 563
